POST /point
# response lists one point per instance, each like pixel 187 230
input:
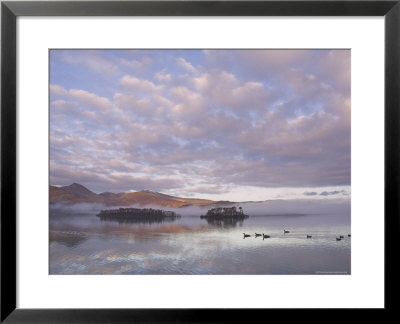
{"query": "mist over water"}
pixel 272 207
pixel 80 243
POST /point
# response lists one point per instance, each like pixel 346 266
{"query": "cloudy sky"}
pixel 220 124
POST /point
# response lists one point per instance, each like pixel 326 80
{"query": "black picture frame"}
pixel 10 10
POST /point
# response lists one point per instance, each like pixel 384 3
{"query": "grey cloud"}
pixel 101 182
pixel 207 189
pixel 330 193
pixel 310 193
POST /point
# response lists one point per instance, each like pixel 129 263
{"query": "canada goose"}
pixel 256 234
pixel 246 235
pixel 338 239
pixel 349 235
pixel 265 236
pixel 285 231
pixel 341 236
pixel 309 236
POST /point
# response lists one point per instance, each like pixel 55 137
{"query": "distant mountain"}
pixel 111 195
pixel 59 195
pixel 82 193
pixel 76 193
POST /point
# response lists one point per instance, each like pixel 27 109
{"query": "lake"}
pixel 80 243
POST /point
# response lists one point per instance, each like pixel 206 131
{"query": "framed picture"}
pixel 178 148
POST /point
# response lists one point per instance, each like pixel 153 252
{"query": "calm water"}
pixel 82 244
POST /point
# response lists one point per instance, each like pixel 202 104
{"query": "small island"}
pixel 147 215
pixel 223 213
pixel 225 217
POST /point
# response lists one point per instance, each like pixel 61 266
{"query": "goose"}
pixel 349 235
pixel 309 236
pixel 338 239
pixel 256 234
pixel 285 231
pixel 246 235
pixel 341 236
pixel 265 236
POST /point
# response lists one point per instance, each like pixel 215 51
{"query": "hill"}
pixel 76 193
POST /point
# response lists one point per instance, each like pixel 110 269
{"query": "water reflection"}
pixel 138 219
pixel 83 244
pixel 68 239
pixel 227 222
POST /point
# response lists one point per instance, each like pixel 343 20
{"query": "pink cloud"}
pixel 133 83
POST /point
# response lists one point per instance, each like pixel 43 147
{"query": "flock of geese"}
pixel 264 236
